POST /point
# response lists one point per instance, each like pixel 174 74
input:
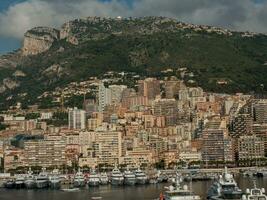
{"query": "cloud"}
pixel 234 14
pixel 23 16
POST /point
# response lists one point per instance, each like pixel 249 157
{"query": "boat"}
pixel 54 179
pixel 141 177
pixel 2 183
pixel 129 177
pixel 19 181
pixel 79 180
pixel 262 173
pixel 116 177
pixel 70 190
pixel 153 180
pixel 29 181
pixel 178 192
pixel 9 184
pixel 224 188
pixel 103 178
pixel 42 180
pixel 255 194
pixel 96 198
pixel 162 177
pixel 94 179
pixel 248 173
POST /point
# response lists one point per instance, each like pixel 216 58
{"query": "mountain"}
pixel 81 48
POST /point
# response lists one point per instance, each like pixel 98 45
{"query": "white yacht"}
pixel 141 177
pixel 54 179
pixel 19 181
pixel 116 177
pixel 224 188
pixel 178 192
pixel 42 180
pixel 129 177
pixel 79 180
pixel 29 181
pixel 9 184
pixel 103 178
pixel 94 179
pixel 255 194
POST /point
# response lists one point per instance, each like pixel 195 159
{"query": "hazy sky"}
pixel 17 16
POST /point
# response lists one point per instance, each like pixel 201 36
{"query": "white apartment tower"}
pixel 77 119
pixel 104 97
pixel 110 95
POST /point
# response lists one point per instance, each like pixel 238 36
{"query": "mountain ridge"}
pixel 89 47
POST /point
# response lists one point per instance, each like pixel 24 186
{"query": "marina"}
pixel 107 192
pixel 117 183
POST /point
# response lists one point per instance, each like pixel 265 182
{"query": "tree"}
pixel 160 164
pixel 2 126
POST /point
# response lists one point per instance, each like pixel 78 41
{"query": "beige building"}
pixel 137 157
pixel 149 88
pixel 45 153
pixel 250 147
pixel 13 158
pixel 88 162
pixel 93 124
pixel 190 156
pixel 108 147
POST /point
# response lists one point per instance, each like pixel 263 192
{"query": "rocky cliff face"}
pixel 8 84
pixel 38 40
pixel 10 60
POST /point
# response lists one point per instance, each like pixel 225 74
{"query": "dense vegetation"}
pixel 2 126
pixel 241 61
pixel 58 119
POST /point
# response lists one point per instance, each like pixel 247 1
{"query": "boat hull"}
pixel 183 198
pixel 55 185
pixel 232 195
pixel 42 184
pixel 9 185
pixel 29 184
pixel 117 182
pixel 141 181
pixel 104 181
pixel 129 181
pixel 19 185
pixel 79 184
pixel 93 183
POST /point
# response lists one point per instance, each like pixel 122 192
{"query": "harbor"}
pixel 108 192
pixel 119 184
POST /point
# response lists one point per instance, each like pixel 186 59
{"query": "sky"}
pixel 18 16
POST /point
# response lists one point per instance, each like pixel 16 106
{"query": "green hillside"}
pixel 210 56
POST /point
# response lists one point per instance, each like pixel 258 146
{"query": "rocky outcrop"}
pixel 66 33
pixel 2 89
pixel 54 71
pixel 19 73
pixel 8 84
pixel 38 40
pixel 10 60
